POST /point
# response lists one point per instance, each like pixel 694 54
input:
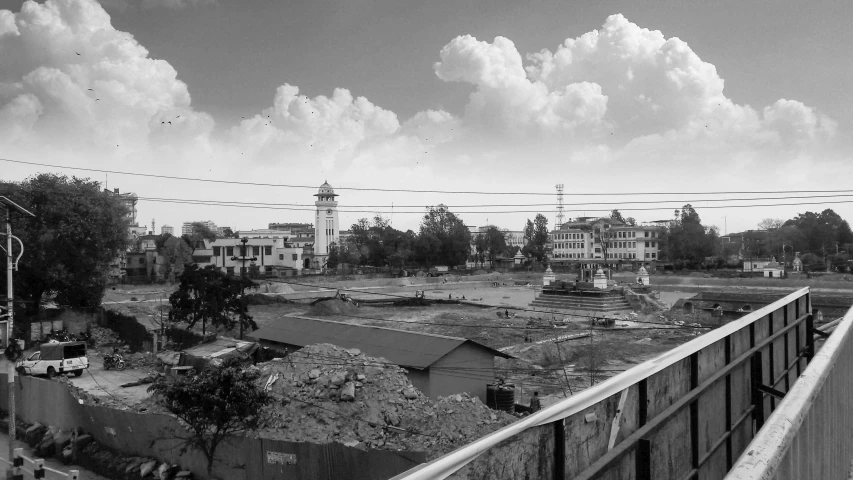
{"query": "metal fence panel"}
pixel 809 436
pixel 687 413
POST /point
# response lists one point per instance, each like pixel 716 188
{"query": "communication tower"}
pixel 559 206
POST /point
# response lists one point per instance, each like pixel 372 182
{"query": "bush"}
pixel 128 329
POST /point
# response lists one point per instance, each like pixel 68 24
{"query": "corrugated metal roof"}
pixel 219 347
pixel 408 349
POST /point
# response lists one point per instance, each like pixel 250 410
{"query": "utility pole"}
pixel 244 256
pixel 8 206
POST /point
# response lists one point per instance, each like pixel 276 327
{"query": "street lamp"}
pixel 11 344
pixel 244 258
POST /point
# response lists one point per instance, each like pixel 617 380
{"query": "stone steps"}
pixel 594 304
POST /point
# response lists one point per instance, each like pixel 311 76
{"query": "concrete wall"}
pixel 465 369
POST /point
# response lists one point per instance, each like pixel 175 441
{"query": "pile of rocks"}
pixel 103 336
pixel 75 446
pixel 325 393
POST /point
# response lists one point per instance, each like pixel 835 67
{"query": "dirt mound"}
pixel 329 394
pixel 332 307
pixel 260 299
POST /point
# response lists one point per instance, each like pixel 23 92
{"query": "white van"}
pixel 54 358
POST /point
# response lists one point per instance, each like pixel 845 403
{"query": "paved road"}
pixel 49 462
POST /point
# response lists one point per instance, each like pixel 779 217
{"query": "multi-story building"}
pixel 601 239
pixel 167 229
pixel 273 256
pixel 326 224
pixel 187 228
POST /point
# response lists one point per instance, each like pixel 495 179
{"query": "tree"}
pixel 77 232
pixel 454 238
pixel 208 295
pixel 494 242
pixel 334 257
pixel 537 236
pixel 221 401
pixel 770 223
pixel 687 240
pixel 176 253
pixel 603 235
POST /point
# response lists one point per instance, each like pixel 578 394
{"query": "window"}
pixel 216 251
pixel 267 249
pixel 295 257
pixel 256 251
pixel 281 256
pixel 597 250
pixel 653 254
pixel 242 250
pixel 229 270
pixel 647 255
pixel 646 244
pixel 141 260
pixel 268 269
pixel 229 251
pixel 646 234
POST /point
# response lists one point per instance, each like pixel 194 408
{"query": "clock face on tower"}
pixel 329 211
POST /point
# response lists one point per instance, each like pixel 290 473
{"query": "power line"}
pixel 461 192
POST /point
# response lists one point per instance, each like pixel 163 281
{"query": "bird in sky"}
pixel 162 123
pixel 78 53
pixel 97 99
pixel 178 116
pixel 89 89
pixel 170 122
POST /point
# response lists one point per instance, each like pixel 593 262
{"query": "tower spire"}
pixel 559 205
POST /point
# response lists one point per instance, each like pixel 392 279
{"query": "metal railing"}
pixel 36 469
pixel 686 414
pixel 810 434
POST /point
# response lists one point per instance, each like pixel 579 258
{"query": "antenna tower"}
pixel 559 206
pixel 153 230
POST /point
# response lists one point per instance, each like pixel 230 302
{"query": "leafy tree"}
pixel 615 215
pixel 820 231
pixel 227 232
pixel 537 236
pixel 688 241
pixel 334 256
pixel 77 232
pixel 493 242
pixel 453 237
pixel 378 244
pixel 176 253
pixel 221 401
pixel 210 296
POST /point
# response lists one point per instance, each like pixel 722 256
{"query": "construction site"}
pixel 419 366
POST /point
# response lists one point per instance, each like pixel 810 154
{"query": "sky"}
pixel 641 105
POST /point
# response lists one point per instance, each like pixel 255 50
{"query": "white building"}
pixel 326 225
pixel 167 229
pixel 577 240
pixel 273 256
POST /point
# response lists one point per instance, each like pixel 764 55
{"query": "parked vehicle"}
pixel 438 271
pixel 114 360
pixel 56 358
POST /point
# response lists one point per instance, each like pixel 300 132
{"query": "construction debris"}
pixel 328 394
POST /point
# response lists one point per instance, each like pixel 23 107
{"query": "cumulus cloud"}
pixel 617 92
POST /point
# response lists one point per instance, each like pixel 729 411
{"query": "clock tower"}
pixel 325 223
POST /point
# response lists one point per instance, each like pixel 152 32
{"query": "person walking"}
pixel 535 404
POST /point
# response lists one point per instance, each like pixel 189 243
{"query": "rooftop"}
pixel 407 349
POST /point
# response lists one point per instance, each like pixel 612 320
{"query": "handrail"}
pixel 447 464
pixel 779 431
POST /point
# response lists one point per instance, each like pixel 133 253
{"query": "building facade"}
pixel 588 238
pixel 167 229
pixel 187 228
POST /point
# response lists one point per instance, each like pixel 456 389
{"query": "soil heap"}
pixel 335 306
pixel 326 393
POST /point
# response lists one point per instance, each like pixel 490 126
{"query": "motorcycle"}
pixel 114 361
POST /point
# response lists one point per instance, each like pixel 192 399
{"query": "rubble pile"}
pixel 103 336
pixel 141 360
pixel 332 307
pixel 326 393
